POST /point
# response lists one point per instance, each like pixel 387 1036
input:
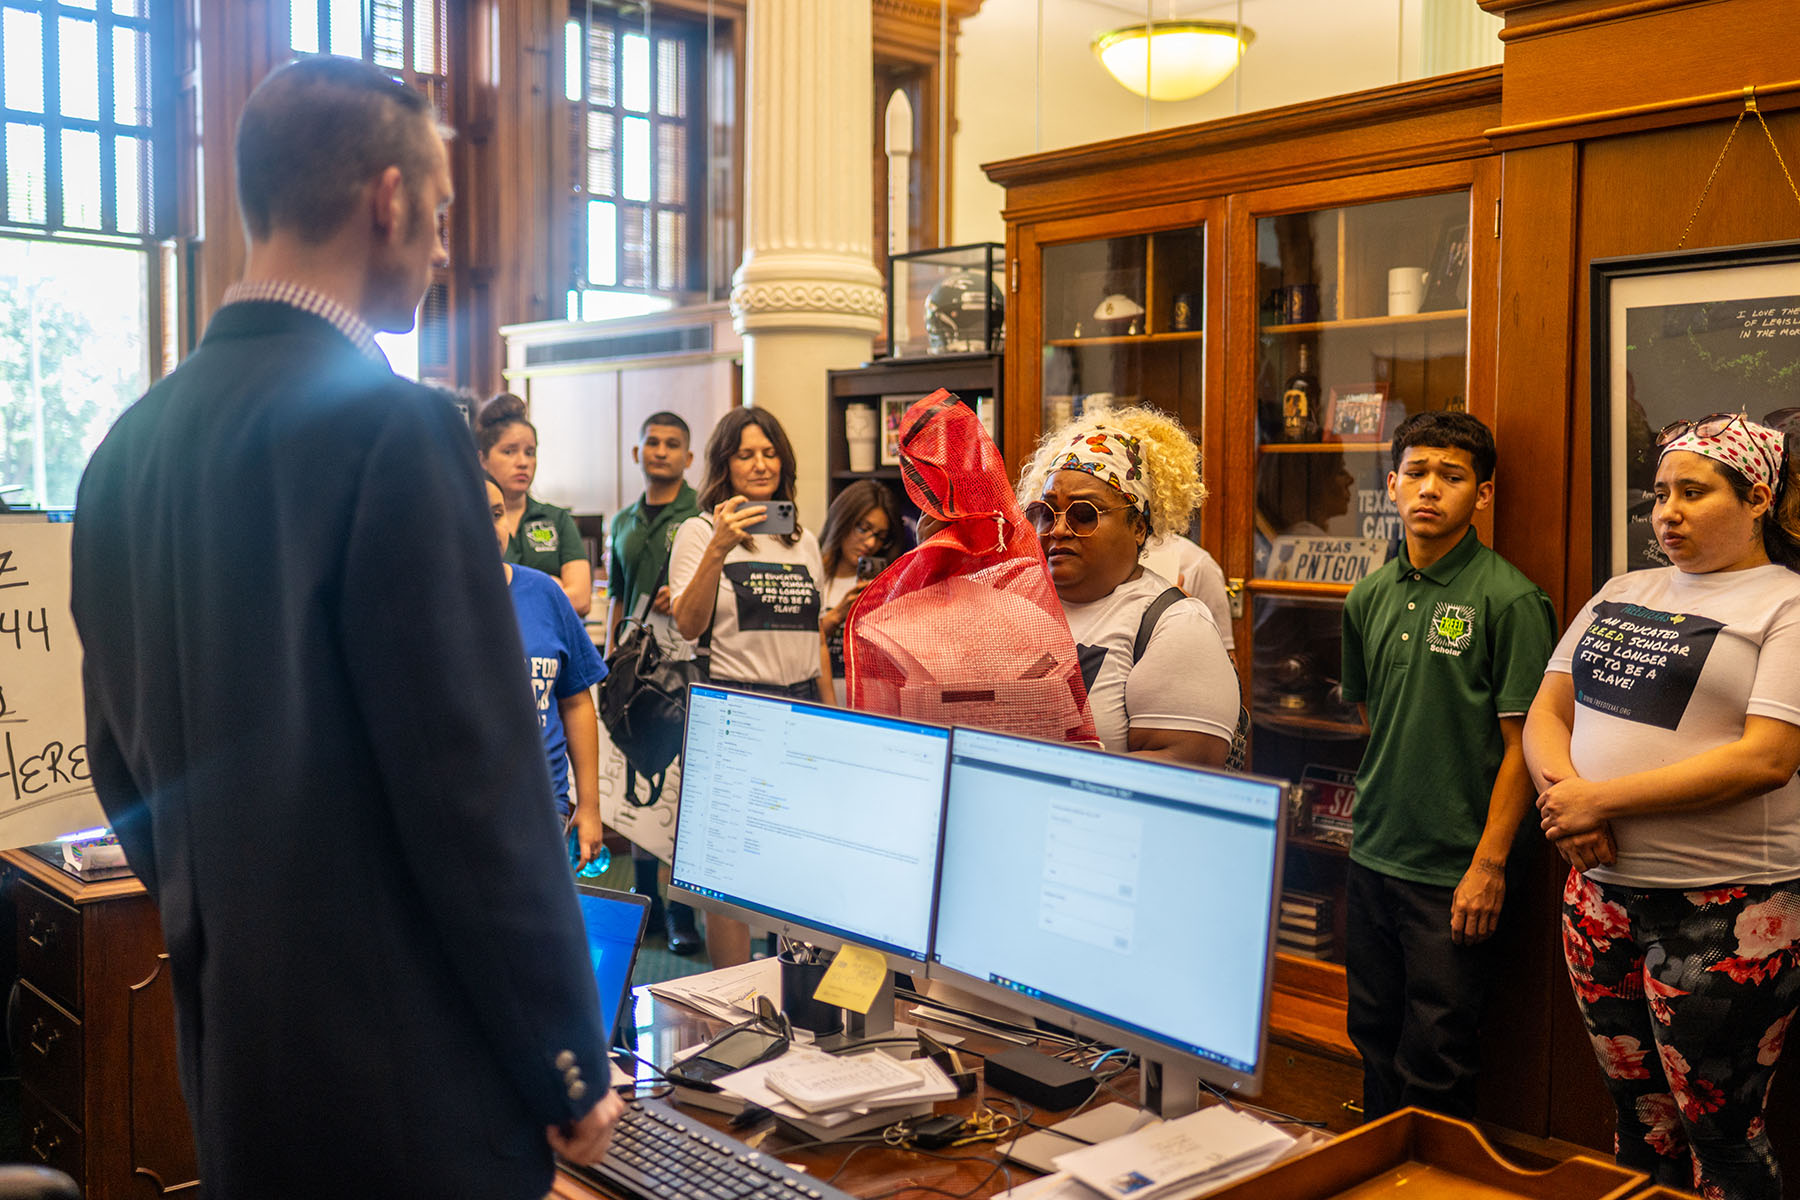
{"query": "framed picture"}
pixel 1448 286
pixel 1356 413
pixel 1675 336
pixel 893 411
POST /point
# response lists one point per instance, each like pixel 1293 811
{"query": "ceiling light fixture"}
pixel 1173 60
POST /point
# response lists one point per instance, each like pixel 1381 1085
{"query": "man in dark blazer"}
pixel 308 715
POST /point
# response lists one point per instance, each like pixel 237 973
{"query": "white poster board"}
pixel 45 790
pixel 653 827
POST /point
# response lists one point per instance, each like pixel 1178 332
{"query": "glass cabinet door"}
pixel 1124 322
pixel 1362 320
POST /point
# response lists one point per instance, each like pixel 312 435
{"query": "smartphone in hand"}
pixel 778 517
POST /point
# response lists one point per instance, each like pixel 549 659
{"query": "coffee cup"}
pixel 1406 290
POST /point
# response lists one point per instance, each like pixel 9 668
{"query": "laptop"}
pixel 615 925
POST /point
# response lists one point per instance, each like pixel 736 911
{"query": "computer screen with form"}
pixel 821 820
pixel 1130 894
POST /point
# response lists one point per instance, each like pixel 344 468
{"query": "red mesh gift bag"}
pixel 966 629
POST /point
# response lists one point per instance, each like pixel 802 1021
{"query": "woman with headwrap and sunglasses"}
pixel 1665 740
pixel 1095 491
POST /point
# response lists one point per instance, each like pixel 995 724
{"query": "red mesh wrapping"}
pixel 966 629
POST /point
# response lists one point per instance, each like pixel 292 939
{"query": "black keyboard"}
pixel 658 1154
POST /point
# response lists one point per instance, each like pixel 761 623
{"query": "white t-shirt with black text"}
pixel 1666 665
pixel 766 620
pixel 1184 680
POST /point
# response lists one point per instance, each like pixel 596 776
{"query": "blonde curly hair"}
pixel 1171 463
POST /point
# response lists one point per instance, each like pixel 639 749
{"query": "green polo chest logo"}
pixel 1452 629
pixel 540 535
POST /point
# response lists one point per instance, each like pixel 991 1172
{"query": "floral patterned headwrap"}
pixel 1112 456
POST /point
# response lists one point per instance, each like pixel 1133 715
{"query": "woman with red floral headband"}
pixel 1665 741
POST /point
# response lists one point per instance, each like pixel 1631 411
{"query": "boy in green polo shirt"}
pixel 637 585
pixel 1444 646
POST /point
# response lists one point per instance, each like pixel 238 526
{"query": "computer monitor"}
pixel 818 822
pixel 1128 899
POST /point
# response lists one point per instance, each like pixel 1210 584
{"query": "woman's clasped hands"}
pixel 1571 818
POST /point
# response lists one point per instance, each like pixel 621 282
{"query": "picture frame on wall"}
pixel 1357 413
pixel 1679 336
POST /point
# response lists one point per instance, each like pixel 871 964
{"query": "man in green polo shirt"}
pixel 637 584
pixel 1444 646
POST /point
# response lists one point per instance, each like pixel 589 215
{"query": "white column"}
pixel 808 297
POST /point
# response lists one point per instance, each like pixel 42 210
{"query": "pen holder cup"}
pixel 798 983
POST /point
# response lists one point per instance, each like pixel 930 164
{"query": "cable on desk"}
pixel 1280 1118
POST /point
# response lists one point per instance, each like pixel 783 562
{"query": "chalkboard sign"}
pixel 45 789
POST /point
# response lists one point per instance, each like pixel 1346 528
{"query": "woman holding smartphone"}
pixel 745 582
pixel 862 535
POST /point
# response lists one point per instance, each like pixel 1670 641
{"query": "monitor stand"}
pixel 1167 1090
pixel 875 1029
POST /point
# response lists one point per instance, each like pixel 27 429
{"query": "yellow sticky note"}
pixel 852 979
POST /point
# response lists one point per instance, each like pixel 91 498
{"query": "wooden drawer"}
pixel 49 1140
pixel 1313 1087
pixel 50 945
pixel 50 1052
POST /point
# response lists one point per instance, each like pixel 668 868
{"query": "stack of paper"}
pixel 925 1087
pixel 1174 1160
pixel 729 993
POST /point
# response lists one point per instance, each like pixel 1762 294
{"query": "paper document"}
pixel 1200 1148
pixel 752 1084
pixel 729 993
pixel 838 1081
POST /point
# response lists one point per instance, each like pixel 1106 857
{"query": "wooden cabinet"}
pixel 99 1095
pixel 1237 275
pixel 888 387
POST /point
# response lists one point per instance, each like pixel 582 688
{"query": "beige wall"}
pixel 1304 50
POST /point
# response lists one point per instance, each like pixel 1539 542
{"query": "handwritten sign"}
pixel 45 789
pixel 1766 319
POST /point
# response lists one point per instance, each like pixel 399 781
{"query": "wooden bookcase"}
pixel 1226 247
pixel 972 377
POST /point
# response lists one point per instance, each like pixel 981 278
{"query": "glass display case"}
pixel 947 301
pixel 1124 322
pixel 1362 321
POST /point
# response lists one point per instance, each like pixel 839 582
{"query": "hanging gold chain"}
pixel 1749 107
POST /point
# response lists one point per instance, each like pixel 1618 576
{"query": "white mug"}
pixel 1406 290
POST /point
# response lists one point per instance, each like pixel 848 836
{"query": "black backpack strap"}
pixel 1152 615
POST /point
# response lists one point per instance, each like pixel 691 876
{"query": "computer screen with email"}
pixel 1133 897
pixel 819 821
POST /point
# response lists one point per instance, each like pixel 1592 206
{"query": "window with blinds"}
pixel 635 86
pixel 408 39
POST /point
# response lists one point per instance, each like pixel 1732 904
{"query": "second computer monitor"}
pixel 820 822
pixel 1130 899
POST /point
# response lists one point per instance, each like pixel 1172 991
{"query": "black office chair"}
pixel 20 1182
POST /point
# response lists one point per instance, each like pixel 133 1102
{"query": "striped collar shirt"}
pixel 318 304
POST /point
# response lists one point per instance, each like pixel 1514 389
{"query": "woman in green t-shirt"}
pixel 542 536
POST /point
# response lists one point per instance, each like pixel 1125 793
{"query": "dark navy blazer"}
pixel 310 724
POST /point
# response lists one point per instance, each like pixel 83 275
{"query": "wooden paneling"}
pixel 1585 59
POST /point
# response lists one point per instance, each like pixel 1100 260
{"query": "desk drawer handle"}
pixel 43 1036
pixel 43 1151
pixel 1352 1107
pixel 40 933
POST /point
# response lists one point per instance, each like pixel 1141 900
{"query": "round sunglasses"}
pixel 1082 516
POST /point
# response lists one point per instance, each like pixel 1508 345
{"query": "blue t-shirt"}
pixel 562 660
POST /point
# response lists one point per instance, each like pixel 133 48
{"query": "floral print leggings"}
pixel 1687 997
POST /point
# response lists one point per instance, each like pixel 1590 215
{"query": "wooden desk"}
pixel 99 1095
pixel 665 1028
